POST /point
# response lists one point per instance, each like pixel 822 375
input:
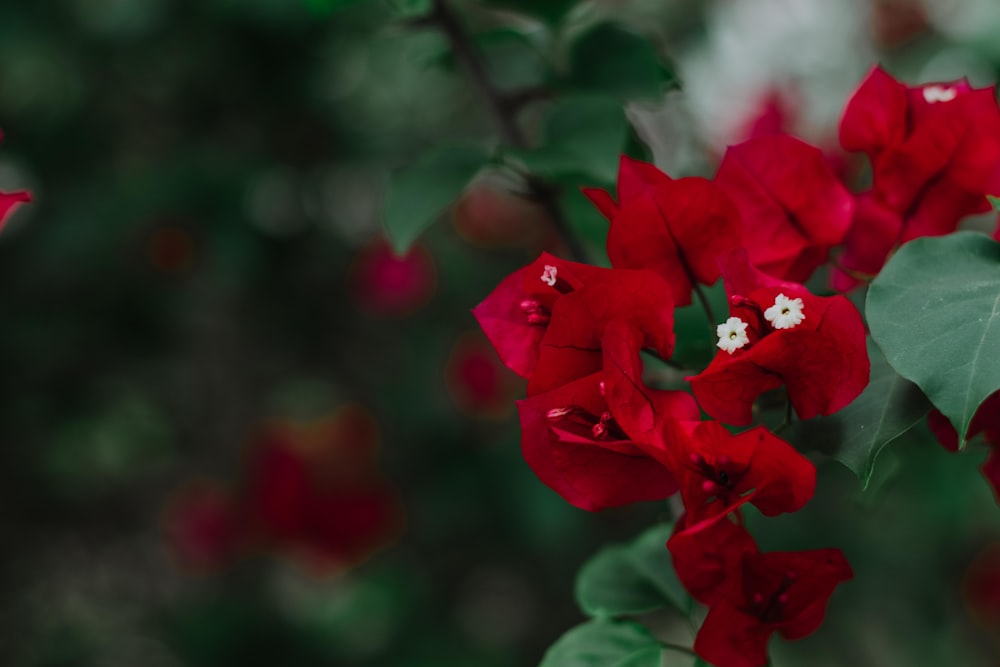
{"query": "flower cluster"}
pixel 597 433
pixel 935 155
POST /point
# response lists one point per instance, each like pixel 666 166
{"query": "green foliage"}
pixel 632 579
pixel 611 59
pixel 604 643
pixel 994 202
pixel 549 11
pixel 887 408
pixel 583 135
pixel 420 192
pixel 935 312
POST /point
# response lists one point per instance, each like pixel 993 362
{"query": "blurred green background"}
pixel 205 251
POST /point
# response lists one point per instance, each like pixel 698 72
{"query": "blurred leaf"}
pixel 935 312
pixel 631 579
pixel 994 202
pixel 611 59
pixel 887 408
pixel 403 9
pixel 582 135
pixel 604 643
pixel 420 192
pixel 512 59
pixel 550 11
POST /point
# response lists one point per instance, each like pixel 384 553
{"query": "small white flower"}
pixel 549 275
pixel 732 334
pixel 939 94
pixel 785 313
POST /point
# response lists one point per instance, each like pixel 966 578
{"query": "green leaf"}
pixel 604 643
pixel 583 136
pixel 612 59
pixel 994 202
pixel 420 192
pixel 935 312
pixel 631 579
pixel 887 408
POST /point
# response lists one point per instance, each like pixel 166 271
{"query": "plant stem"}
pixel 504 112
pixel 705 305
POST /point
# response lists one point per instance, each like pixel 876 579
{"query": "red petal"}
pixel 874 232
pixel 603 201
pixel 636 177
pixel 707 555
pixel 642 412
pixel 571 345
pixel 677 231
pixel 590 474
pixel 875 117
pixel 731 638
pixel 790 200
pixel 9 201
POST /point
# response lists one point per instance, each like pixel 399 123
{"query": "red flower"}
pixel 985 421
pixel 935 154
pixel 717 472
pixel 516 315
pixel 388 285
pixel 794 209
pixel 200 526
pixel 707 554
pixel 785 592
pixel 478 383
pixel 779 333
pixel 572 440
pixel 675 228
pixel 312 491
pixel 315 491
pixel 547 320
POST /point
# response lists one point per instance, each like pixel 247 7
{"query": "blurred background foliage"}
pixel 205 251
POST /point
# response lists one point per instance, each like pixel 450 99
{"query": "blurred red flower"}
pixel 384 284
pixel 312 491
pixel 477 381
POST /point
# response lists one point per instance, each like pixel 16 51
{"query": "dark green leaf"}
pixel 887 408
pixel 935 312
pixel 420 192
pixel 614 60
pixel 582 135
pixel 631 579
pixel 550 11
pixel 604 643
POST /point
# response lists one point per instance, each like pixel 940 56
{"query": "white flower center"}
pixel 785 313
pixel 939 94
pixel 732 334
pixel 549 275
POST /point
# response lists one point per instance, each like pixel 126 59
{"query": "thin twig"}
pixel 678 648
pixel 504 114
